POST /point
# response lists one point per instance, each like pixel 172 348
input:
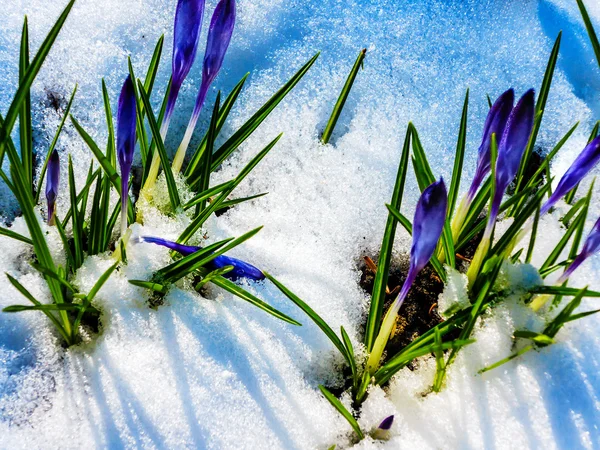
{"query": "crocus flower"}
pixel 219 36
pixel 382 432
pixel 428 223
pixel 186 33
pixel 510 152
pixel 495 123
pixel 52 182
pixel 126 136
pixel 590 247
pixel 586 160
pixel 241 269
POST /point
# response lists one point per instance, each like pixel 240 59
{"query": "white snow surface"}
pixel 218 373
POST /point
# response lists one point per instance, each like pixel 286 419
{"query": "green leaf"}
pixel 562 290
pixel 223 114
pixel 111 153
pixel 206 213
pixel 351 357
pixel 205 158
pixel 440 365
pixel 540 108
pixel 385 252
pixel 38 190
pixel 27 79
pixel 150 285
pixel 536 221
pixel 252 124
pixel 505 360
pixel 458 158
pixel 590 29
pixel 245 295
pixel 13 235
pixel 25 130
pixel 316 318
pixel 53 307
pixel 341 101
pixel 171 185
pixel 204 195
pixel 53 274
pixel 75 217
pixel 342 410
pixel 211 275
pixel 237 201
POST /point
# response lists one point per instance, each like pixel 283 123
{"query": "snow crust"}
pixel 217 373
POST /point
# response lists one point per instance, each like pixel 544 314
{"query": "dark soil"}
pixel 419 312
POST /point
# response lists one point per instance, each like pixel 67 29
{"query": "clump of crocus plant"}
pixel 52 182
pixel 495 123
pixel 510 151
pixel 126 137
pixel 219 37
pixel 241 269
pixel 186 33
pixel 428 223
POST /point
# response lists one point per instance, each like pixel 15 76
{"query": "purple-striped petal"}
pixel 186 33
pixel 52 184
pixel 428 223
pixel 495 123
pixel 126 127
pixel 590 247
pixel 511 147
pixel 582 165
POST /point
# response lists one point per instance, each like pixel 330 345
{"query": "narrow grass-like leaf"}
pixel 341 101
pixel 38 189
pixel 564 240
pixel 14 235
pixel 187 264
pixel 75 220
pixel 461 145
pixel 223 114
pixel 111 153
pixel 211 275
pixel 252 124
pixel 562 290
pixel 236 290
pixel 237 201
pixel 171 185
pixel 205 158
pixel 385 252
pixel 342 410
pixel 352 359
pixel 53 274
pixel 316 318
pixel 440 366
pixel 207 194
pixel 27 79
pixel 150 285
pixel 25 129
pixel 534 229
pixel 540 108
pixel 206 213
pixel 590 29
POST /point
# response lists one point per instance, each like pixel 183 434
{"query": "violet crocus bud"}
pixel 126 137
pixel 382 432
pixel 219 37
pixel 510 152
pixel 52 183
pixel 241 269
pixel 582 165
pixel 428 223
pixel 495 123
pixel 590 247
pixel 186 33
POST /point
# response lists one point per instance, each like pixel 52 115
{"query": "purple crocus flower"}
pixel 52 183
pixel 591 246
pixel 586 160
pixel 126 137
pixel 386 424
pixel 241 269
pixel 219 37
pixel 495 123
pixel 510 152
pixel 428 224
pixel 186 33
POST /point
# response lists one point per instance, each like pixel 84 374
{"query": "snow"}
pixel 218 373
